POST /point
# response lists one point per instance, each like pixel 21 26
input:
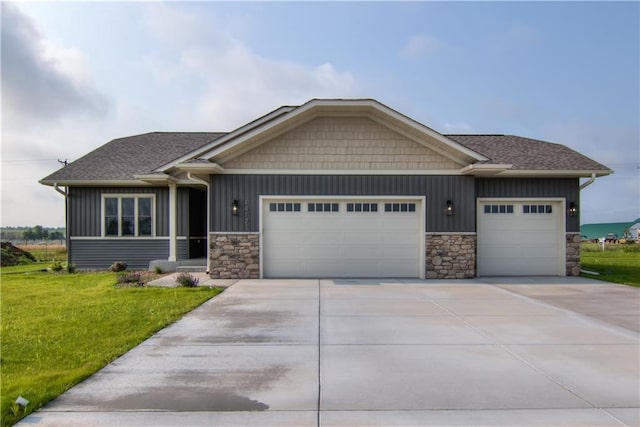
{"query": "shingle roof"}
pixel 527 154
pixel 122 158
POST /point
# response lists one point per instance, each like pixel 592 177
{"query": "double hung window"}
pixel 128 216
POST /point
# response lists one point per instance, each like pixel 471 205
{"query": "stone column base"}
pixel 450 256
pixel 573 254
pixel 234 256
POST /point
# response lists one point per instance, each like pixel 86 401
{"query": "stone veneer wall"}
pixel 450 256
pixel 573 254
pixel 234 256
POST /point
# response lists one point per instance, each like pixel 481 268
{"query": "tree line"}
pixel 33 234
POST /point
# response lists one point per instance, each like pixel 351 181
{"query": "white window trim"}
pixel 135 196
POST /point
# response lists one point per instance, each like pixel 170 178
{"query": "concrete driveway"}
pixel 493 352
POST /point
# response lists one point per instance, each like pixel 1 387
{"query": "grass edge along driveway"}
pixel 58 329
pixel 617 263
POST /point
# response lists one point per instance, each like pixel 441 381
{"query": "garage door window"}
pixel 284 207
pixel 537 209
pixel 498 209
pixel 362 207
pixel 399 207
pixel 323 207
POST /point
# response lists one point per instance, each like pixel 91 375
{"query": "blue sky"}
pixel 77 74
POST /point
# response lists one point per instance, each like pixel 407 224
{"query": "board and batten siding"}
pixel 437 190
pixel 99 254
pixel 567 188
pixel 85 208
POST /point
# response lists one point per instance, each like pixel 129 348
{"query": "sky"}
pixel 76 75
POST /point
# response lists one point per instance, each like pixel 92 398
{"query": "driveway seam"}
pixel 508 350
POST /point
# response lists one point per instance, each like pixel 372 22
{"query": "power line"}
pixel 27 160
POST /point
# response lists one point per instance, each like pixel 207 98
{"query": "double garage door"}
pixel 520 237
pixel 342 237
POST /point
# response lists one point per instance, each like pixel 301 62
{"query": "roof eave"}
pixel 583 173
pixel 93 183
pixel 209 167
pixel 485 169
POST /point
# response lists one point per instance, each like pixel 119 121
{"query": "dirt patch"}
pixel 12 255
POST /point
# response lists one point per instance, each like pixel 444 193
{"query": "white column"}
pixel 173 222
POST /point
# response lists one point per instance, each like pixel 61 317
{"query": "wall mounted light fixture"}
pixel 449 208
pixel 235 208
pixel 573 209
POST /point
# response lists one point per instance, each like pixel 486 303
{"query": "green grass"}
pixel 617 263
pixel 58 329
pixel 47 253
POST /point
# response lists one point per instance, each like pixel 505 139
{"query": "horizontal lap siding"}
pixel 437 190
pixel 99 254
pixel 567 188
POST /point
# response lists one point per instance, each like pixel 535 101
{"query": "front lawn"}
pixel 58 329
pixel 617 263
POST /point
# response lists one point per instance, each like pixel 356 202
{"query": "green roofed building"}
pixel 596 231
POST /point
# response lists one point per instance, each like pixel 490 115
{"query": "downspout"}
pixel 589 182
pixel 67 230
pixel 206 184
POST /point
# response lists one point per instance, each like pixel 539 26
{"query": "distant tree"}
pixel 40 232
pixel 56 235
pixel 29 234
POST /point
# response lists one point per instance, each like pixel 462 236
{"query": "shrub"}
pixel 118 266
pixel 56 266
pixel 71 268
pixel 188 280
pixel 134 279
pixel 157 269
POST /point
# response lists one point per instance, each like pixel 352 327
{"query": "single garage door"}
pixel 342 238
pixel 520 238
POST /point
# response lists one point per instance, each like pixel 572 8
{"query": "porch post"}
pixel 173 222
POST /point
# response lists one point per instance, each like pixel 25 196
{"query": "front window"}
pixel 128 216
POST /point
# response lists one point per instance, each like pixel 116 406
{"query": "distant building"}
pixel 596 231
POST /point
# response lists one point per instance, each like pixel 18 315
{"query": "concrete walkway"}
pixel 377 353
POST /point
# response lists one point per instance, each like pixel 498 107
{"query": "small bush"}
pixel 157 269
pixel 56 266
pixel 71 268
pixel 130 279
pixel 187 280
pixel 118 266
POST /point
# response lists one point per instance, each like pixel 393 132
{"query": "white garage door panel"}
pixel 518 243
pixel 341 244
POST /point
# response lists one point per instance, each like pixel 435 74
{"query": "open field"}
pixel 47 253
pixel 617 263
pixel 58 329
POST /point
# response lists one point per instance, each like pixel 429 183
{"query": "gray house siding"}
pixel 85 214
pixel 567 188
pixel 247 189
pixel 85 208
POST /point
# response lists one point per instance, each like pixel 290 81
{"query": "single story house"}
pixel 330 188
pixel 626 230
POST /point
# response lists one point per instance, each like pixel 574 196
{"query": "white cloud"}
pixel 235 83
pixel 195 75
pixel 41 82
pixel 420 45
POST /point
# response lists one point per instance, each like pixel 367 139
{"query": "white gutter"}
pixel 206 184
pixel 589 182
